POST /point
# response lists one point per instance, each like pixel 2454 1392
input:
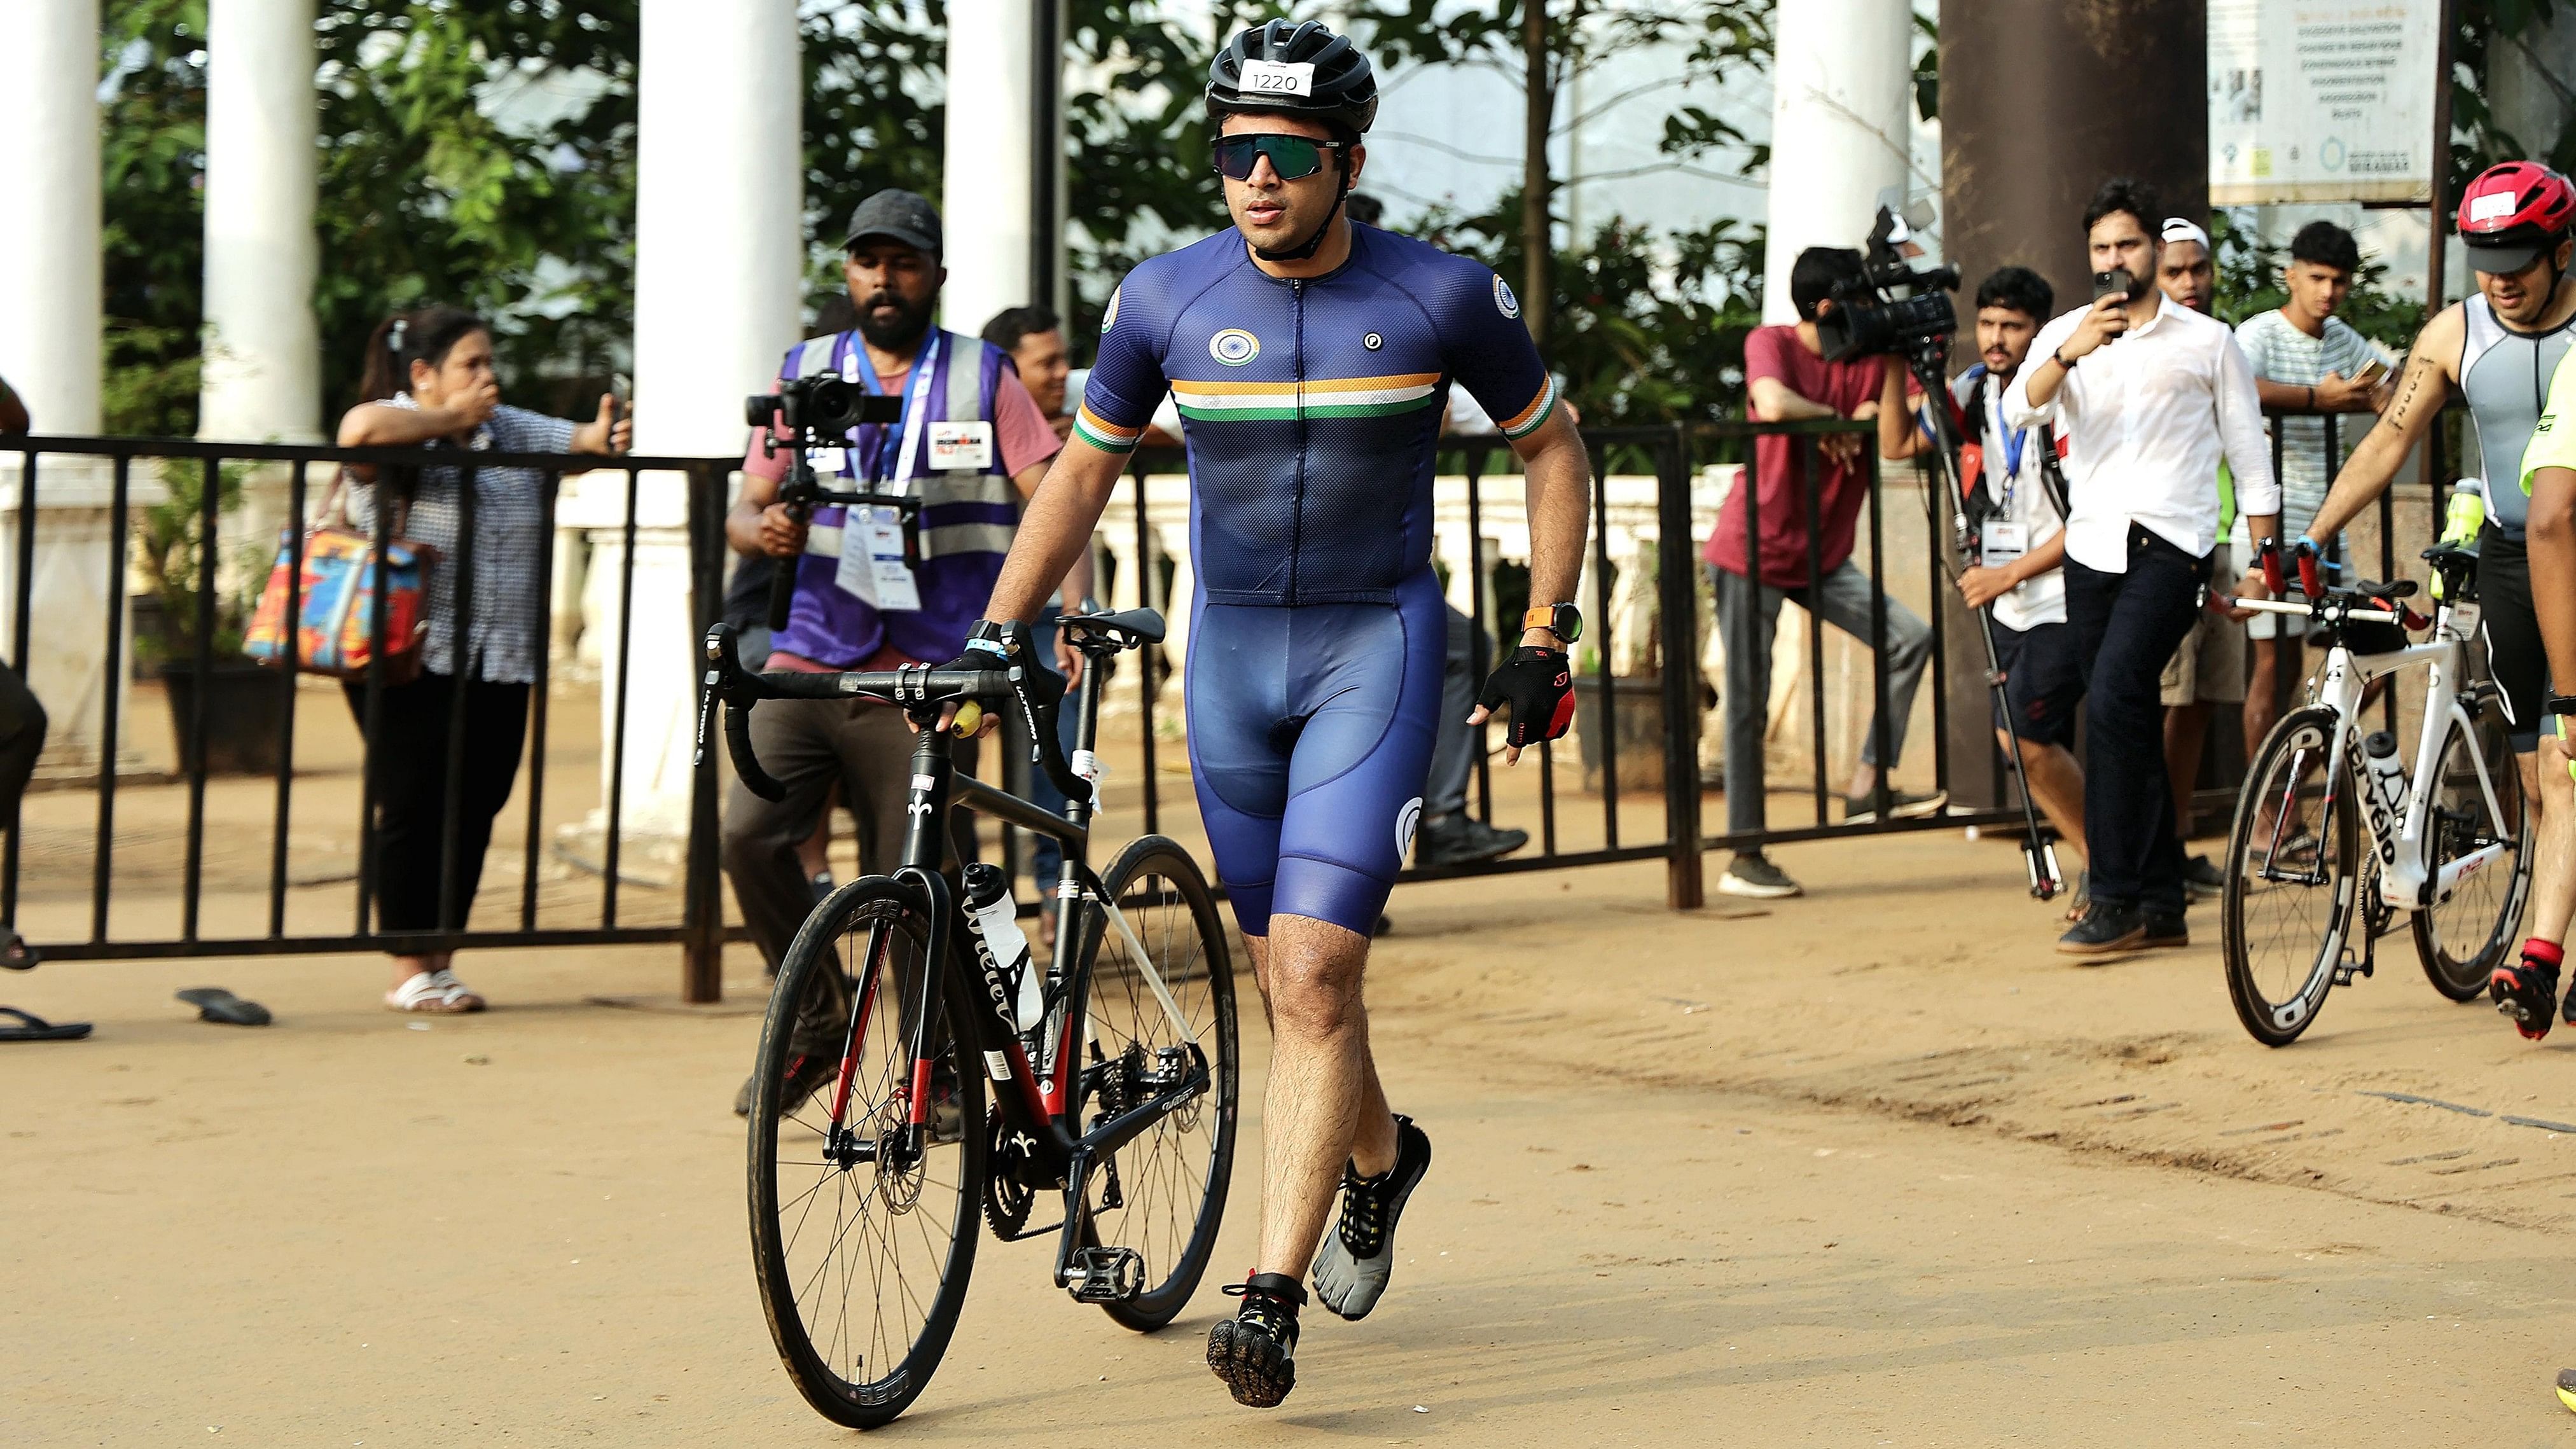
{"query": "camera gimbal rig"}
pixel 820 412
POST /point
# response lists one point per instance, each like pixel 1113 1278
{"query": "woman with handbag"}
pixel 429 382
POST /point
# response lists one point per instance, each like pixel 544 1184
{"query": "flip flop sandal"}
pixel 214 1003
pixel 433 993
pixel 15 953
pixel 35 1028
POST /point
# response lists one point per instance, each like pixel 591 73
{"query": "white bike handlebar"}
pixel 2283 606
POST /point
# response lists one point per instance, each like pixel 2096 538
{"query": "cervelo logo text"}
pixel 1234 347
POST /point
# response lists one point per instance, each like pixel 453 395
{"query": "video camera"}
pixel 820 411
pixel 1893 308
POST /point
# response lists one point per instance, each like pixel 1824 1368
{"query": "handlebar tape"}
pixel 2308 573
pixel 746 765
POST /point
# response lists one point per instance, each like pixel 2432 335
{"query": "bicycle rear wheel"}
pixel 1163 1194
pixel 2460 939
pixel 863 1224
pixel 2293 879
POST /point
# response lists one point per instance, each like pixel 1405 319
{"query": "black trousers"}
pixel 2126 626
pixel 407 769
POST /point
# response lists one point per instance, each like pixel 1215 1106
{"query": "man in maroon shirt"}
pixel 1788 379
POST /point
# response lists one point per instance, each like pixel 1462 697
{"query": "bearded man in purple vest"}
pixel 972 446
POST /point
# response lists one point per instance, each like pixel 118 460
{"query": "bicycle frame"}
pixel 2404 845
pixel 1036 1099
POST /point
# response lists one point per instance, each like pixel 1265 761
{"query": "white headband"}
pixel 2177 229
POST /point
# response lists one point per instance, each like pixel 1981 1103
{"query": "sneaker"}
pixel 1359 1254
pixel 1465 840
pixel 1756 876
pixel 2526 989
pixel 1255 1351
pixel 1901 805
pixel 2202 879
pixel 2166 928
pixel 2567 1387
pixel 2106 930
pixel 806 1074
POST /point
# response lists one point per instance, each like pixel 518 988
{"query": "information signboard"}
pixel 2321 100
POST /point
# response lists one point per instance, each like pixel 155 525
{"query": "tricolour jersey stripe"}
pixel 1528 419
pixel 1101 433
pixel 1339 397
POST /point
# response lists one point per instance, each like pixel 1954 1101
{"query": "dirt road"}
pixel 1868 1167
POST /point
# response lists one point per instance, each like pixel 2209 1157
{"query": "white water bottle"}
pixel 2387 776
pixel 996 917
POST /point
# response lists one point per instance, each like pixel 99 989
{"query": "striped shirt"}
pixel 510 539
pixel 2281 353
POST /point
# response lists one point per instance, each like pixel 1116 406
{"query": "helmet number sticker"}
pixel 1277 78
pixel 2491 206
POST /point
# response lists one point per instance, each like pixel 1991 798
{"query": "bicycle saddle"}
pixel 1133 626
pixel 2395 589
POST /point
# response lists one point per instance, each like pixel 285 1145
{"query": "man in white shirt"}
pixel 2161 395
pixel 2306 360
pixel 2018 505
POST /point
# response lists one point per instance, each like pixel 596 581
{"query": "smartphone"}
pixel 2115 282
pixel 2371 372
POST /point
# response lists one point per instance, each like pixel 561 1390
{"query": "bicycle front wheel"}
pixel 1159 1006
pixel 2460 939
pixel 2293 879
pixel 863 1209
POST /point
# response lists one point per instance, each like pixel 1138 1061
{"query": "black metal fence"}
pixel 1574 822
pixel 77 460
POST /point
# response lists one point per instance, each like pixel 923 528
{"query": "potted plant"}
pixel 244 705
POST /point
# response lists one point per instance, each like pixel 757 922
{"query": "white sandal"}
pixel 433 993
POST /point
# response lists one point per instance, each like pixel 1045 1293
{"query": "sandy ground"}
pixel 1871 1167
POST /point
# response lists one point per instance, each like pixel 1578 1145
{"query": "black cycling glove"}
pixel 1538 684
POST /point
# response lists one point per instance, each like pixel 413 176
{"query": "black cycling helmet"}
pixel 1339 89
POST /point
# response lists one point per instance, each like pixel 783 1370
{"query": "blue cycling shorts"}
pixel 1310 736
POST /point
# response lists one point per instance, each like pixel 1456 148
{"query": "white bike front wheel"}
pixel 2461 937
pixel 2293 879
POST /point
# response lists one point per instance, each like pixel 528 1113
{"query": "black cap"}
pixel 2502 260
pixel 898 215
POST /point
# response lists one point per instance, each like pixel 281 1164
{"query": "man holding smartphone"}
pixel 2147 422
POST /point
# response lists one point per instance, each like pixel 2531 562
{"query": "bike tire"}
pixel 829 1356
pixel 1173 1179
pixel 2265 911
pixel 2485 910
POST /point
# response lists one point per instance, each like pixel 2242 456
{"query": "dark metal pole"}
pixel 702 907
pixel 291 633
pixel 23 636
pixel 209 507
pixel 2437 221
pixel 1811 458
pixel 1685 885
pixel 1146 587
pixel 541 656
pixel 1609 715
pixel 617 729
pixel 1046 148
pixel 370 854
pixel 1480 662
pixel 102 864
pixel 1880 803
pixel 463 661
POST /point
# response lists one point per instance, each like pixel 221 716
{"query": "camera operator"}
pixel 971 445
pixel 1788 378
pixel 2018 509
pixel 2150 397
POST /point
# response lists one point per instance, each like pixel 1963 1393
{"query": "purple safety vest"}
pixel 968 516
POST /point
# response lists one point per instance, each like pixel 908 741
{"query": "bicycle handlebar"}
pixel 2284 606
pixel 916 689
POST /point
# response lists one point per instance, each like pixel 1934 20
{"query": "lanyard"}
pixel 891 458
pixel 2014 442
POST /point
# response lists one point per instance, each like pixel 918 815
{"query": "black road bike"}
pixel 872 1148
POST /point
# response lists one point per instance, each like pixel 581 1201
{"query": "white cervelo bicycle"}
pixel 2334 838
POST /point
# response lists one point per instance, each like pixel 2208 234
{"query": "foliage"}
pixel 2478 141
pixel 1652 328
pixel 153 139
pixel 168 554
pixel 2249 283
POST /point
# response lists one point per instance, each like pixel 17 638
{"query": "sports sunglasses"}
pixel 1294 157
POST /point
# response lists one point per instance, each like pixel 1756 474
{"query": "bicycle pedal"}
pixel 2348 968
pixel 1105 1275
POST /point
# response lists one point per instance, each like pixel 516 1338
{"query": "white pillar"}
pixel 989 165
pixel 1841 78
pixel 263 350
pixel 719 254
pixel 49 196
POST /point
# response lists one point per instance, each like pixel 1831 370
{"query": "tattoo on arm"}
pixel 2420 370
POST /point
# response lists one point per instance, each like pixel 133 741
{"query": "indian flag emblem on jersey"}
pixel 1504 301
pixel 1234 347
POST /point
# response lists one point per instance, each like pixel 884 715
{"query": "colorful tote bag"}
pixel 335 626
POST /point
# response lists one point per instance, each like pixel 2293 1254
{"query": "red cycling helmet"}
pixel 2514 212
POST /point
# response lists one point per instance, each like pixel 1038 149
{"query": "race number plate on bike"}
pixel 2000 543
pixel 872 566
